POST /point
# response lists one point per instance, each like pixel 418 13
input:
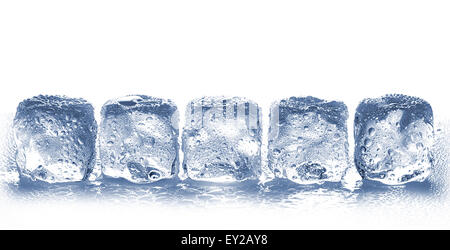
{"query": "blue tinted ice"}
pixel 393 136
pixel 222 139
pixel 55 138
pixel 308 140
pixel 139 138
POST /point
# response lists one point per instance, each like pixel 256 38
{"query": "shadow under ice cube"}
pixel 222 139
pixel 308 141
pixel 139 139
pixel 55 138
pixel 393 137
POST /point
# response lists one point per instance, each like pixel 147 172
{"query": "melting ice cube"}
pixel 222 139
pixel 393 137
pixel 308 141
pixel 139 138
pixel 55 138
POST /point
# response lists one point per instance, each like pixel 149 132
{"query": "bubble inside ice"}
pixel 55 138
pixel 393 138
pixel 308 140
pixel 139 139
pixel 222 139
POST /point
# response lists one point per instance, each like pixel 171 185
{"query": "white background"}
pixel 264 50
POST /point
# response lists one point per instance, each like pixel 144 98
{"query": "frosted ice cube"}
pixel 308 141
pixel 222 139
pixel 393 137
pixel 139 138
pixel 55 138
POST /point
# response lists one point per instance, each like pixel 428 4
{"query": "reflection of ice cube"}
pixel 139 138
pixel 308 140
pixel 55 138
pixel 393 136
pixel 222 139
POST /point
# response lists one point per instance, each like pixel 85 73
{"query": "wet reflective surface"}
pixel 279 193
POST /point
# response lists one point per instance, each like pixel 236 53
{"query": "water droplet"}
pixel 276 152
pixel 122 158
pixel 277 172
pixel 150 141
pixel 154 175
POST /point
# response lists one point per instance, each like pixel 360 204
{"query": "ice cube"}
pixel 393 137
pixel 55 138
pixel 139 139
pixel 222 139
pixel 308 141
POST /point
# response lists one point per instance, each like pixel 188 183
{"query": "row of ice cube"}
pixel 221 141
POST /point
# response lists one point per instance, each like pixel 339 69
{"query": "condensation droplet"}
pixel 371 131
